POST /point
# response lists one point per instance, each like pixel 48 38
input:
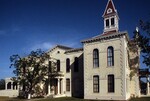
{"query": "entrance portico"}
pixel 56 87
pixel 144 73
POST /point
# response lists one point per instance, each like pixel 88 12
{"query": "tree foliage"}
pixel 2 84
pixel 143 41
pixel 33 69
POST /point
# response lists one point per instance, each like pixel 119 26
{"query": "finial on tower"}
pixel 111 19
pixel 137 29
pixel 137 33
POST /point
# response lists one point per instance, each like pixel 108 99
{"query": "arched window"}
pixel 67 65
pixel 9 85
pixel 76 64
pixel 58 65
pixel 110 56
pixel 95 58
pixel 111 83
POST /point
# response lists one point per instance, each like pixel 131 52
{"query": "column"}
pixel 49 89
pixel 58 84
pixel 148 92
pixel 63 86
pixel 6 85
pixel 17 86
pixel 11 85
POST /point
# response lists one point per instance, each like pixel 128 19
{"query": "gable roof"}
pixel 105 36
pixel 61 47
pixel 74 50
pixel 110 5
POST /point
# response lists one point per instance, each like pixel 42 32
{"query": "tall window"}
pixel 96 84
pixel 67 65
pixel 67 84
pixel 112 21
pixel 9 85
pixel 95 58
pixel 111 84
pixel 76 64
pixel 110 56
pixel 107 23
pixel 58 65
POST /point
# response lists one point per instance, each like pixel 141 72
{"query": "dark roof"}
pixel 74 50
pixel 110 5
pixel 61 46
pixel 105 36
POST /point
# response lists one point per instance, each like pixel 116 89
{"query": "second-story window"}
pixel 58 65
pixel 95 58
pixel 76 64
pixel 67 65
pixel 110 56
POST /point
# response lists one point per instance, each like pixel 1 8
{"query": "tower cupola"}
pixel 111 18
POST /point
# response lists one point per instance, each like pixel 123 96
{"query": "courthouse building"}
pixel 102 68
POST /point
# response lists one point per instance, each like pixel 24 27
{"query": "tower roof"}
pixel 110 9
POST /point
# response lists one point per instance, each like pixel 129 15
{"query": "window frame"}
pixel 67 65
pixel 107 23
pixel 95 58
pixel 110 56
pixel 76 64
pixel 58 65
pixel 111 83
pixel 68 85
pixel 96 84
pixel 112 21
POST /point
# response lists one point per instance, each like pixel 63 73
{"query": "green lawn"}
pixel 63 99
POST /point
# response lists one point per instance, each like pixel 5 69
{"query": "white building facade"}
pixel 101 70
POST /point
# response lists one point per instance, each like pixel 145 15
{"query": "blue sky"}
pixel 27 25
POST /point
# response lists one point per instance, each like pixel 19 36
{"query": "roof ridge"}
pixel 103 36
pixel 74 50
pixel 60 46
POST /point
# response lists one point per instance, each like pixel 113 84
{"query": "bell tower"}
pixel 111 18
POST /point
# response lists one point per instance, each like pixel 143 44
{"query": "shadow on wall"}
pixel 77 77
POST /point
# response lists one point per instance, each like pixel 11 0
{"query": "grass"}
pixel 141 99
pixel 64 99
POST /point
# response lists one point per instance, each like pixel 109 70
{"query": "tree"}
pixel 33 70
pixel 144 41
pixel 2 84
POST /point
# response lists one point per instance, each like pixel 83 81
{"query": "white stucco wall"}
pixel 9 93
pixel 62 56
pixel 103 71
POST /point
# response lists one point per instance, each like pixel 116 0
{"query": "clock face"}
pixel 109 11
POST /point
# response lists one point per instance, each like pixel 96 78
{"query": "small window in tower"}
pixel 112 21
pixel 107 23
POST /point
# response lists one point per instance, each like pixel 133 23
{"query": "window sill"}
pixel 95 92
pixel 110 66
pixel 95 67
pixel 110 92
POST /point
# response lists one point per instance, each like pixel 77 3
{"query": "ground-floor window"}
pixel 96 84
pixel 111 83
pixel 67 84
